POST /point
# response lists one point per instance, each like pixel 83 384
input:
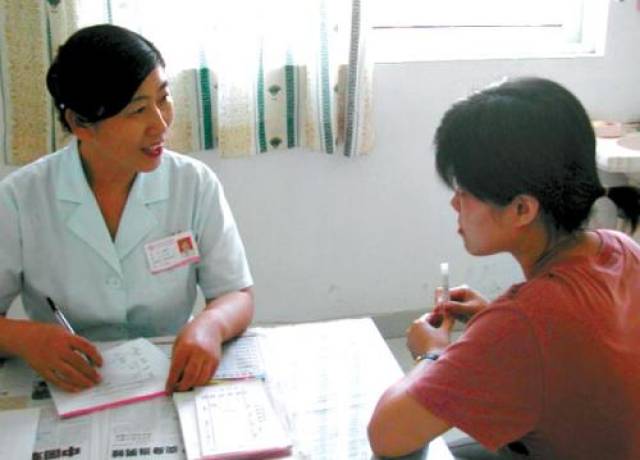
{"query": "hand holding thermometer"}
pixel 442 295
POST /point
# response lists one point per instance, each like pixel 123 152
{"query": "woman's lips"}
pixel 153 151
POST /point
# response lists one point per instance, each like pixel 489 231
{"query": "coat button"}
pixel 114 282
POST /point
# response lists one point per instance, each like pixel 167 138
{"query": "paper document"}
pixel 332 380
pixel 231 420
pixel 241 359
pixel 134 371
pixel 147 430
pixel 75 438
pixel 18 433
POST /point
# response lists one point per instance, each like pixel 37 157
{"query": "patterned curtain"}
pixel 248 76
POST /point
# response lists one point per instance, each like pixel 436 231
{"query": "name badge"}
pixel 171 252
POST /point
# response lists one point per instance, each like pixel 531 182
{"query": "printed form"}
pixel 133 371
pixel 231 420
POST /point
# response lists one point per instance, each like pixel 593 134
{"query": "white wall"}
pixel 330 237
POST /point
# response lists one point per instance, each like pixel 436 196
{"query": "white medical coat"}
pixel 54 243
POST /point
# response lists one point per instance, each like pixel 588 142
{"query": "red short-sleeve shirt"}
pixel 553 363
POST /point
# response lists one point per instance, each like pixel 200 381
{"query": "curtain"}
pixel 248 77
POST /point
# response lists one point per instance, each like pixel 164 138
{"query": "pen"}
pixel 444 273
pixel 62 320
pixel 60 317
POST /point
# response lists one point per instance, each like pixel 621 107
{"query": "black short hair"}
pixel 97 71
pixel 524 136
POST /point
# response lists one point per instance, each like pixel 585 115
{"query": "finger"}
pixel 177 366
pixel 447 323
pixel 437 295
pixel 52 379
pixel 79 363
pixel 460 292
pixel 190 374
pixel 206 373
pixel 73 376
pixel 58 378
pixel 438 310
pixel 457 308
pixel 88 349
pixel 213 364
pixel 435 319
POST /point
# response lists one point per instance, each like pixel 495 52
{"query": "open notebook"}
pixel 231 420
pixel 133 371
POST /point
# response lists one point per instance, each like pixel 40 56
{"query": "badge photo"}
pixel 171 252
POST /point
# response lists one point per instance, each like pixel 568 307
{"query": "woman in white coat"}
pixel 95 226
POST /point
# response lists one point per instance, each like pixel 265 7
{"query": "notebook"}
pixel 231 420
pixel 133 371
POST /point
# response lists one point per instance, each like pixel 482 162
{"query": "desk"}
pixel 328 377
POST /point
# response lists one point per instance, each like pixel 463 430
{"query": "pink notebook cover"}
pixel 274 452
pixel 121 402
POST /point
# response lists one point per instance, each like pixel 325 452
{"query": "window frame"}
pixel 404 38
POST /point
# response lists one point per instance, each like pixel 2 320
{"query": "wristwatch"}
pixel 430 356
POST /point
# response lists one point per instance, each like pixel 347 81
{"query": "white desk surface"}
pixel 614 158
pixel 332 374
pixel 325 378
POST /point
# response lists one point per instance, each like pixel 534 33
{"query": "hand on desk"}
pixel 196 354
pixel 57 356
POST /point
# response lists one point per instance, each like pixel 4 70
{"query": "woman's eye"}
pixel 137 110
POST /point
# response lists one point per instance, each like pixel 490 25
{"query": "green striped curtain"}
pixel 248 77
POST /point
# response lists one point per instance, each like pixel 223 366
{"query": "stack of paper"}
pixel 230 421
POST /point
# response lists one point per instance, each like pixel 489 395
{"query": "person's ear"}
pixel 526 209
pixel 79 128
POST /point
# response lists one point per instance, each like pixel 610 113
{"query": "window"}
pixel 414 30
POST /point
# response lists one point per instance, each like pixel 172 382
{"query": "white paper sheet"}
pixel 133 371
pixel 76 438
pixel 241 359
pixel 18 433
pixel 230 420
pixel 332 379
pixel 149 429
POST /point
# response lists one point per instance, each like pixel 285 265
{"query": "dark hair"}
pixel 97 71
pixel 526 136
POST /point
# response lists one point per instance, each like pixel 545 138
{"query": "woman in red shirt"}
pixel 550 369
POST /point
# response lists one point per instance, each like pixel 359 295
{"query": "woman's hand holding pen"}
pixel 196 354
pixel 462 305
pixel 57 356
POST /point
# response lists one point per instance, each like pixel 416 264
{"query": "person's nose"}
pixel 159 122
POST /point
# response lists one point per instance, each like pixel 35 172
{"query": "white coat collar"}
pixel 71 183
pixel 87 222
